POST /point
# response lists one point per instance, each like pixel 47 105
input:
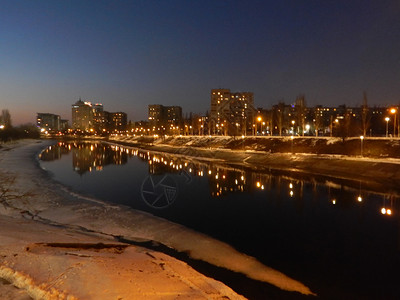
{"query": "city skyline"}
pixel 129 55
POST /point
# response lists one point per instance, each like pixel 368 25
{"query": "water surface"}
pixel 339 238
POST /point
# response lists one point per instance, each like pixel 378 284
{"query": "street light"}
pixel 259 119
pixel 387 124
pixel 394 111
pixel 293 126
pixel 361 139
pixel 308 127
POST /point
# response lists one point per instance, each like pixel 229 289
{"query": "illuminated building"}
pixel 82 116
pixel 92 118
pixel 173 114
pixel 48 122
pixel 231 113
pixel 156 114
pixel 99 118
pixel 117 121
pixel 164 116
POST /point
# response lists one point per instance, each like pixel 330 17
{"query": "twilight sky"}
pixel 128 54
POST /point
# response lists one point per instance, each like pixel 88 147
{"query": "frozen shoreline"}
pixel 46 207
pixel 78 272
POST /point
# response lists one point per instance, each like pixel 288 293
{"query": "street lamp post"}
pixel 387 126
pixel 293 126
pixel 361 139
pixel 394 112
pixel 259 119
pixel 307 128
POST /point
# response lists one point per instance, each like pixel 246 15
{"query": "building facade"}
pixel 82 116
pixel 164 118
pixel 173 115
pixel 156 115
pixel 117 121
pixel 99 118
pixel 92 118
pixel 232 113
pixel 48 122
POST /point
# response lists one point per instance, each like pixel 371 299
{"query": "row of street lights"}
pixel 387 119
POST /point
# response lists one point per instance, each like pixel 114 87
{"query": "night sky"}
pixel 128 54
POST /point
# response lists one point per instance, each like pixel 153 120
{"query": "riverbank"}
pixel 55 244
pixel 331 157
pixel 48 251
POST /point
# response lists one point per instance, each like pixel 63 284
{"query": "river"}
pixel 338 237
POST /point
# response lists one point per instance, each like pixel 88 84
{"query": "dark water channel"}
pixel 337 237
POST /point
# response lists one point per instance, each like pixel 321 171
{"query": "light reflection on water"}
pixel 301 224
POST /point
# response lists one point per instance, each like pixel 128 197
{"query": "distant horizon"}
pixel 127 55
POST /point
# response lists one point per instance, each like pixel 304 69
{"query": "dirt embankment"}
pixel 379 163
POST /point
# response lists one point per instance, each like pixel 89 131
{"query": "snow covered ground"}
pixel 57 245
pixel 328 156
pixel 55 263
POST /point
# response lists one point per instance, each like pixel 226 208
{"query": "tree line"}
pixel 9 133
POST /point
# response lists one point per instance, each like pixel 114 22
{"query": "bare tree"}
pixel 300 112
pixel 344 125
pixel 365 115
pixel 5 118
pixel 279 113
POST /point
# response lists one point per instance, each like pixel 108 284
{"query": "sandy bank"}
pixel 47 257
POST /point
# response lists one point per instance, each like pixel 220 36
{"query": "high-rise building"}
pixel 164 116
pixel 100 118
pixel 173 114
pixel 89 117
pixel 48 122
pixel 231 113
pixel 156 115
pixel 82 116
pixel 117 121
